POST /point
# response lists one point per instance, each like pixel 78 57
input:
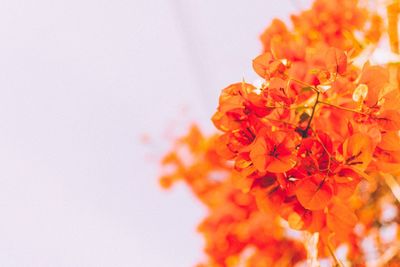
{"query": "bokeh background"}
pixel 92 93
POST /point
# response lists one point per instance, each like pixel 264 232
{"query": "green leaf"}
pixel 306 89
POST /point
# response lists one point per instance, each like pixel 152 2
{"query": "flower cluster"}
pixel 305 146
pixel 235 230
pixel 315 142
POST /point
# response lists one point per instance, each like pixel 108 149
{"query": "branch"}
pixel 311 244
pixel 342 108
pixel 312 113
pixel 393 185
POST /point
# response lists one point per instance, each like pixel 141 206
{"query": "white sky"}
pixel 80 82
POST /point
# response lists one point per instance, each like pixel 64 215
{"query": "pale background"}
pixel 82 82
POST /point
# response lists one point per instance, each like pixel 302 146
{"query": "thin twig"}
pixel 393 19
pixel 312 113
pixel 284 122
pixel 393 185
pixel 338 263
pixel 342 108
pixel 304 84
pixel 311 244
pixel 389 254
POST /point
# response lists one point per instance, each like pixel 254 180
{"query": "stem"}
pixel 393 185
pixel 386 256
pixel 338 263
pixel 311 244
pixel 335 259
pixel 284 122
pixel 304 84
pixel 312 113
pixel 283 107
pixel 393 18
pixel 342 108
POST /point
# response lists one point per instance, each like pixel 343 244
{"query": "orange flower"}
pixel 267 67
pixel 273 152
pixel 313 195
